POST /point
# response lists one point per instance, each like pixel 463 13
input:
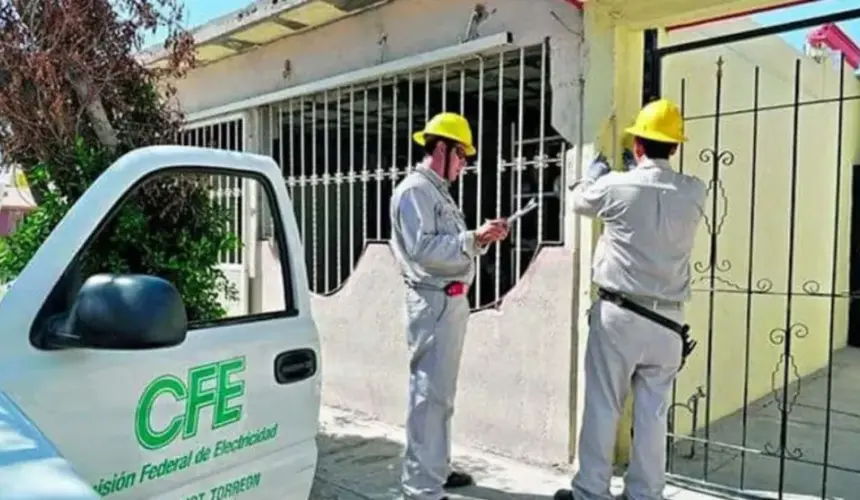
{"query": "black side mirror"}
pixel 128 312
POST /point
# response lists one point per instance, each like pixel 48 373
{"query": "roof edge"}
pixel 224 25
pixel 743 13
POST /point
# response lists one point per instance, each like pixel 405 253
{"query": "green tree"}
pixel 75 98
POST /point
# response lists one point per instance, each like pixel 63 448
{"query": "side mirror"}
pixel 129 312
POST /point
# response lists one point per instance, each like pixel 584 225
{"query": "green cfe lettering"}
pixel 199 397
pixel 208 385
pixel 148 437
pixel 225 415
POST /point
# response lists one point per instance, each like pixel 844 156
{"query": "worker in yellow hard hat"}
pixel 436 253
pixel 637 334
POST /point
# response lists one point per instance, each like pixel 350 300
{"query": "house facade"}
pixel 332 90
pixel 15 198
pixel 341 103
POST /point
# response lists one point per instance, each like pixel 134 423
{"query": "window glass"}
pixel 194 231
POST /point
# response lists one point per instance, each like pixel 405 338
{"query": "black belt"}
pixel 683 331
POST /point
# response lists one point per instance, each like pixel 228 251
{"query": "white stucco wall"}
pixel 410 26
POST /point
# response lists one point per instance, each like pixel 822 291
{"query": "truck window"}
pixel 216 247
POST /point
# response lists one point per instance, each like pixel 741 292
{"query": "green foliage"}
pixel 169 228
pixel 75 97
pixel 17 250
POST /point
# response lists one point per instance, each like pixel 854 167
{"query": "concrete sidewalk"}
pixel 360 460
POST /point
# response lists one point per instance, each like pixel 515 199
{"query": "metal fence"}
pixel 767 404
pixel 344 150
pixel 227 192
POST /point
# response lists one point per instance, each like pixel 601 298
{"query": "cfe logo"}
pixel 208 385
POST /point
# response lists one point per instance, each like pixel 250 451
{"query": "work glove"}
pixel 628 159
pixel 598 168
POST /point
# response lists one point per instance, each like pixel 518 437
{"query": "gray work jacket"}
pixel 651 215
pixel 428 232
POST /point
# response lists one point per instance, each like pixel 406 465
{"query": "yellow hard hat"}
pixel 660 121
pixel 450 126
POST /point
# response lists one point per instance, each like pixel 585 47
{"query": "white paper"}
pixel 531 205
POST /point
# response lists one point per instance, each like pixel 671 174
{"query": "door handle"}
pixel 295 366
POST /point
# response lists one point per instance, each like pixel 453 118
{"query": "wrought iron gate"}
pixel 767 404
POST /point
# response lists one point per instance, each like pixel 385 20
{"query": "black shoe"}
pixel 563 495
pixel 458 480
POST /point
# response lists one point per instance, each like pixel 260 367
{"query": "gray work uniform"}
pixel 431 243
pixel 651 215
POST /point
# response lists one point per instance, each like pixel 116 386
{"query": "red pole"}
pixel 833 36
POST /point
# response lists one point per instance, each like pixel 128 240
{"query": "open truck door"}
pixel 142 402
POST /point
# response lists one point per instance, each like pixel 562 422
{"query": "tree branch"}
pixel 99 121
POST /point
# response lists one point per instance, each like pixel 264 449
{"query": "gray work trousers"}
pixel 436 330
pixel 626 349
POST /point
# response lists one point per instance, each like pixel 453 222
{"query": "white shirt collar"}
pixel 649 163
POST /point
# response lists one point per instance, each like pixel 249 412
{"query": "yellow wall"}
pixel 814 220
pixel 628 97
pixel 612 76
pixel 642 14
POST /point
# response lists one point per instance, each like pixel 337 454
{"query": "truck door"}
pixel 141 402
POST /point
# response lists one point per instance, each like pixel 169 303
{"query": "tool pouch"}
pixel 683 331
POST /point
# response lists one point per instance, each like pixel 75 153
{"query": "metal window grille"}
pixel 225 191
pixel 344 150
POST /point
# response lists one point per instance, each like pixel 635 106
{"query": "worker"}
pixel 642 270
pixel 436 253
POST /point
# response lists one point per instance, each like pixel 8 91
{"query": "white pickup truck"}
pixel 108 390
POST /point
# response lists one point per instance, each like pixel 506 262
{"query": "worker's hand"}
pixel 628 159
pixel 599 167
pixel 492 231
